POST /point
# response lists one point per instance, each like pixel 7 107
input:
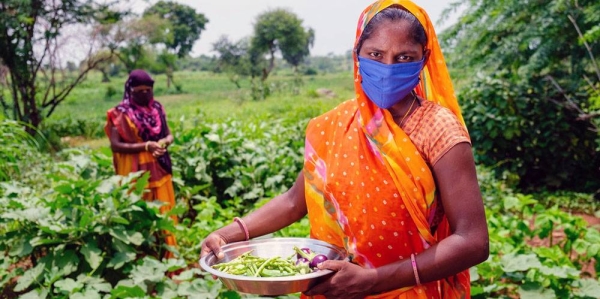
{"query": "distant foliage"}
pixel 528 77
pixel 237 162
pixel 514 128
pixel 17 145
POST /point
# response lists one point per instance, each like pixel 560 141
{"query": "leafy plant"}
pixel 17 145
pixel 525 258
pixel 527 74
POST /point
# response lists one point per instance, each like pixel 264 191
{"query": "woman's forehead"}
pixel 141 87
pixel 391 31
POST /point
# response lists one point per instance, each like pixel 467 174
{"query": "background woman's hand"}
pixel 156 149
pixel 350 281
pixel 164 142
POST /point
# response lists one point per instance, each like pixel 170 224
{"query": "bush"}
pixel 17 146
pixel 519 128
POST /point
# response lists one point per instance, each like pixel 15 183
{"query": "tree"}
pixel 30 33
pixel 233 59
pixel 185 26
pixel 529 81
pixel 281 30
pixel 129 40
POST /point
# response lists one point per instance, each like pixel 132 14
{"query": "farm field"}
pixel 233 154
pixel 210 96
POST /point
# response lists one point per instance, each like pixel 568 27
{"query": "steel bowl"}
pixel 272 286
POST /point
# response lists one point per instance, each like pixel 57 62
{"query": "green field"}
pixel 206 96
pixel 232 154
pixel 211 94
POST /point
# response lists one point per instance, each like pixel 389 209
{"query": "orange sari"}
pixel 160 184
pixel 367 188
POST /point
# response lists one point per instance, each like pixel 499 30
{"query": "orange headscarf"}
pixel 435 84
pixel 367 188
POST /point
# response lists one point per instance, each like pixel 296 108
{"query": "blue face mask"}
pixel 388 84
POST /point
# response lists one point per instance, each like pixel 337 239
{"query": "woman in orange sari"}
pixel 139 137
pixel 389 175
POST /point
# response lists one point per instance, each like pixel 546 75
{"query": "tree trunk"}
pixel 169 73
pixel 105 78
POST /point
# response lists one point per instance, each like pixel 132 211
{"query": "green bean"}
pixel 255 266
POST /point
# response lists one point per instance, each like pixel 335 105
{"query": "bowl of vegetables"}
pixel 273 266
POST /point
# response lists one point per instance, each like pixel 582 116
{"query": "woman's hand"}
pixel 350 281
pixel 213 244
pixel 165 142
pixel 156 148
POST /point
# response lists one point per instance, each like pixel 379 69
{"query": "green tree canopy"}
pixel 185 25
pixel 29 44
pixel 281 30
pixel 528 77
pixel 234 59
pixel 184 28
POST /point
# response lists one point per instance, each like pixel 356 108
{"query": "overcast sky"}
pixel 334 21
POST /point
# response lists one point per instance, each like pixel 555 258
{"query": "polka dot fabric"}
pixel 369 187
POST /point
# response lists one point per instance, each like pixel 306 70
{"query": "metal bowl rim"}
pixel 300 277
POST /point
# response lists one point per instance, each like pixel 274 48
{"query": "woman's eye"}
pixel 375 54
pixel 403 58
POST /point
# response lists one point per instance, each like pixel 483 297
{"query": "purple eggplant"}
pixel 302 260
pixel 317 259
pixel 313 258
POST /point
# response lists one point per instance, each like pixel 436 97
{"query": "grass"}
pixel 208 96
pixel 212 95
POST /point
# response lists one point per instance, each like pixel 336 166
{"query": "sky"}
pixel 334 21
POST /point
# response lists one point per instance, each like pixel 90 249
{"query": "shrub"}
pixel 519 128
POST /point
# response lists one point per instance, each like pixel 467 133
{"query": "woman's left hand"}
pixel 161 148
pixel 350 281
pixel 164 143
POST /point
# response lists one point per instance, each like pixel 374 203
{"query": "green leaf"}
pixel 151 270
pixel 535 291
pixel 120 259
pixel 511 202
pixel 127 292
pixel 64 188
pixel 95 283
pixel 142 182
pixel 88 294
pixel 563 271
pixel 21 248
pixel 119 234
pixel 593 250
pixel 121 246
pixel 37 241
pixel 92 254
pixel 588 288
pixel 29 277
pixel 68 285
pixel 35 294
pixel 474 274
pixel 85 220
pixel 213 137
pixel 519 262
pixel 136 238
pixel 119 220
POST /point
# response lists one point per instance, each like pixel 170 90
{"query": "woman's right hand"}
pixel 212 244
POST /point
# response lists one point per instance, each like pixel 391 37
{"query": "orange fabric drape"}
pixel 160 186
pixel 367 188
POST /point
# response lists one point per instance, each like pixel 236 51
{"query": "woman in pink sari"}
pixel 389 175
pixel 139 137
